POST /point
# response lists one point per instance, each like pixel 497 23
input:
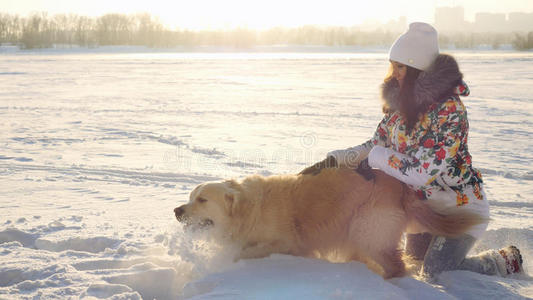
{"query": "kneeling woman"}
pixel 422 141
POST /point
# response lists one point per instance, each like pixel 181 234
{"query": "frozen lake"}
pixel 96 149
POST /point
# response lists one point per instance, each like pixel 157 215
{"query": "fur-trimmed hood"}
pixel 441 80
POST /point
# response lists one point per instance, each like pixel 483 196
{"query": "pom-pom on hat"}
pixel 418 47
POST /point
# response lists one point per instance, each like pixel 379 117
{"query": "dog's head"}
pixel 211 204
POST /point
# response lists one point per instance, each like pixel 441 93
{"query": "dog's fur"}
pixel 336 212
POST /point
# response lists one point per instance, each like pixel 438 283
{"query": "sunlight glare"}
pixel 230 14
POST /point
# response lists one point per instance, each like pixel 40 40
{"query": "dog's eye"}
pixel 201 200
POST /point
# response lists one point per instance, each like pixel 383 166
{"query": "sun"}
pixel 230 14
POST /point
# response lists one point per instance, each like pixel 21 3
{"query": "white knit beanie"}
pixel 418 47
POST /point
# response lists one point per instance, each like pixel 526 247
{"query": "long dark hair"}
pixel 410 111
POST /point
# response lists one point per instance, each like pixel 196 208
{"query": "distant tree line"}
pixel 467 40
pixel 524 41
pixel 39 30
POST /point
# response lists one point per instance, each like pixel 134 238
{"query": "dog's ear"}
pixel 229 202
pixel 231 197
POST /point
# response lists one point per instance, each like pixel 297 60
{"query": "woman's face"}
pixel 398 71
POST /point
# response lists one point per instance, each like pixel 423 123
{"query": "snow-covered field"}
pixel 97 148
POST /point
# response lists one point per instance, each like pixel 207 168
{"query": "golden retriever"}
pixel 336 213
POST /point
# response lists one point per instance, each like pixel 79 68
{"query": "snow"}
pixel 98 146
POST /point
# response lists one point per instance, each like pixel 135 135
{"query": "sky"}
pixel 263 14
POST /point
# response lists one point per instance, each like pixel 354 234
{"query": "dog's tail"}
pixel 446 225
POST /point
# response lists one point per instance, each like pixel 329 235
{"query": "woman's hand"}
pixel 329 162
pixel 365 170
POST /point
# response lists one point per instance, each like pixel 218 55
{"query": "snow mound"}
pixel 31 277
pixel 93 245
pixel 288 277
pixel 109 291
pixel 484 287
pixel 16 235
pixel 150 281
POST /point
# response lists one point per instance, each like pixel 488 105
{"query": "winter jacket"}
pixel 433 158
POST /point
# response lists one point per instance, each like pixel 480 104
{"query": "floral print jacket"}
pixel 434 155
pixel 433 158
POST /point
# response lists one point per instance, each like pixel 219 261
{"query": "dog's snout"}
pixel 179 211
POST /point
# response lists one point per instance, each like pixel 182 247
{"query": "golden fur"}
pixel 336 213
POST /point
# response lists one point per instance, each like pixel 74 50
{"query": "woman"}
pixel 422 141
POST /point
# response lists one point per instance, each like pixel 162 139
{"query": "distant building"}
pixel 490 22
pixel 450 19
pixel 518 21
pixel 396 25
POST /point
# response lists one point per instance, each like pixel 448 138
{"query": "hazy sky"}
pixel 260 14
